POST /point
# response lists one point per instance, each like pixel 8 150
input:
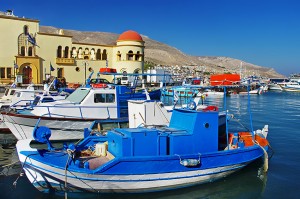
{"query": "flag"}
pixel 31 39
pixel 16 65
pixel 51 67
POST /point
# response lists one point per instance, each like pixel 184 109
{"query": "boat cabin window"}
pixel 104 98
pixel 78 95
pixel 99 80
pixel 12 92
pixel 18 94
pixel 6 92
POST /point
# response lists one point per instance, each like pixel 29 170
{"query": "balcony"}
pixel 65 61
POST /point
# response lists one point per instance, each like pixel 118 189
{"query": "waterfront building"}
pixel 33 55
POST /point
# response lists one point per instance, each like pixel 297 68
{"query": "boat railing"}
pixel 81 112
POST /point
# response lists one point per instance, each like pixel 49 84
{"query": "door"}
pixel 27 75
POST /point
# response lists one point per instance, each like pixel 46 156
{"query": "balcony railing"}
pixel 65 61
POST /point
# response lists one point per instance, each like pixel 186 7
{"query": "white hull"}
pixel 275 87
pixel 40 174
pixel 22 128
pixel 293 88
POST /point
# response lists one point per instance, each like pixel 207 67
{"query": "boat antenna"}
pixel 249 108
pixel 226 112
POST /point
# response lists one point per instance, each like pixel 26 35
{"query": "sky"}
pixel 261 32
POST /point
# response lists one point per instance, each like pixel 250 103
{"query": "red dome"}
pixel 130 35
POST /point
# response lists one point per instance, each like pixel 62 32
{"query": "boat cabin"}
pixel 99 103
pixel 190 132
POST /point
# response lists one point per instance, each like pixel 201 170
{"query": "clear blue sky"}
pixel 261 32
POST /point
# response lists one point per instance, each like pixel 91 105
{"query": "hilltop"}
pixel 161 54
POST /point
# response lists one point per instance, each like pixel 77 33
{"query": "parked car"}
pixel 99 81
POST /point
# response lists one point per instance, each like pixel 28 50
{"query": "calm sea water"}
pixel 280 110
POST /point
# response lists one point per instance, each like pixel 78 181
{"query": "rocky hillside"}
pixel 162 54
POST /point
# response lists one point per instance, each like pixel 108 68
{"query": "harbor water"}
pixel 280 110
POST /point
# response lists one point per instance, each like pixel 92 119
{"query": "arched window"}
pixel 137 70
pixel 66 54
pixel 59 53
pixel 80 53
pixel 74 52
pixel 86 51
pixel 104 55
pixel 137 56
pixel 118 56
pixel 93 54
pixel 25 30
pixel 30 53
pixel 22 51
pixel 98 54
pixel 130 55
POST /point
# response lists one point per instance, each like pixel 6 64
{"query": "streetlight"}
pixel 85 64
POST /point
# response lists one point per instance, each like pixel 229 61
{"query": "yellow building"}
pixel 20 56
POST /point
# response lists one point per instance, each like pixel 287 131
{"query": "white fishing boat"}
pixel 274 87
pixel 292 87
pixel 66 118
pixel 21 98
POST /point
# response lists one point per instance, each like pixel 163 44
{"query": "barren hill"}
pixel 162 54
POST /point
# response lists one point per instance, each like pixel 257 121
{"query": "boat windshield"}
pixel 78 95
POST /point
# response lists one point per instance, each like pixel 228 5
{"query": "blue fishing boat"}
pixel 180 91
pixel 193 149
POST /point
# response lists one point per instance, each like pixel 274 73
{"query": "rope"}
pixel 159 108
pixel 70 154
pixel 266 160
pixel 21 174
pixel 7 165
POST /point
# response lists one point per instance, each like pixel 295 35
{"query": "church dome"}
pixel 130 35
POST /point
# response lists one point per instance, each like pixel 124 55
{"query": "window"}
pixel 8 72
pixel 104 55
pixel 130 55
pixel 6 92
pixel 30 51
pixel 98 54
pixel 78 95
pixel 25 29
pixel 99 81
pixel 118 56
pixel 104 98
pixel 2 72
pixel 66 54
pixel 60 72
pixel 59 49
pixel 23 50
pixel 12 92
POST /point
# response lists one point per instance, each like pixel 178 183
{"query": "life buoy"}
pixel 99 85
